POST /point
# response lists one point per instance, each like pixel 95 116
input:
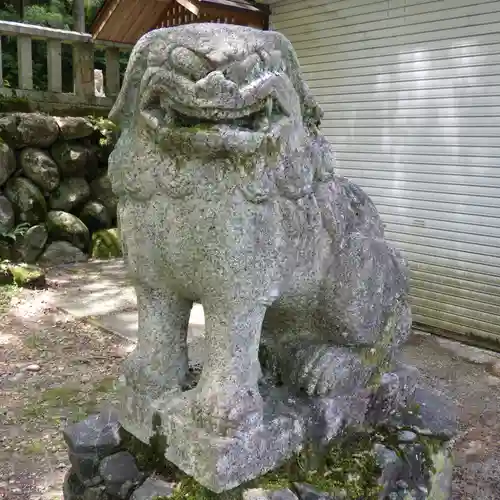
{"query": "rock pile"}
pixel 54 189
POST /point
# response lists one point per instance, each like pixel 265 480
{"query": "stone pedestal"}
pixel 290 422
pixel 409 456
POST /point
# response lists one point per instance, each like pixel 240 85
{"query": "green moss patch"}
pixel 75 402
pixel 28 276
pixel 106 244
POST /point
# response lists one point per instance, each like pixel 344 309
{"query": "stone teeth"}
pixel 269 107
pixel 262 123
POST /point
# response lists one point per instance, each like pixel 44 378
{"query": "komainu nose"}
pixel 215 84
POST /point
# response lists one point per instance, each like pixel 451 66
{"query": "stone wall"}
pixel 55 195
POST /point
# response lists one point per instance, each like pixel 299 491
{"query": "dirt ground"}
pixel 55 370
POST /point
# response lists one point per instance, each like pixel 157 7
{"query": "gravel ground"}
pixel 55 369
pixel 467 375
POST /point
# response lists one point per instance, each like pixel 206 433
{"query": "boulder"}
pixel 106 244
pixel 102 191
pixel 29 203
pixel 95 216
pixel 5 250
pixel 27 276
pixel 61 252
pixel 30 246
pixel 39 167
pixel 70 194
pixel 28 129
pixel 89 441
pixel 71 158
pixel 120 474
pixel 7 162
pixel 94 169
pixel 7 216
pixel 153 487
pixel 67 227
pixel 74 127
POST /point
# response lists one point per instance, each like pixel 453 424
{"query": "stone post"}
pixel 83 69
pixel 54 67
pixel 112 79
pixel 25 62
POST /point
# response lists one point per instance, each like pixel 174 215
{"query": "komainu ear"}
pixel 126 103
pixel 311 110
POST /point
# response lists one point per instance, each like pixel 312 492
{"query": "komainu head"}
pixel 221 91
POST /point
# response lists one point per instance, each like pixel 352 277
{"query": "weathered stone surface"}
pixel 437 414
pixel 67 227
pixel 71 158
pixel 120 474
pixel 31 245
pixel 228 195
pixel 95 216
pixel 7 215
pixel 73 489
pixel 261 494
pixel 74 127
pixel 91 440
pixel 98 433
pixel 29 203
pixel 70 194
pixel 39 167
pixel 396 390
pixel 102 191
pixel 391 466
pixel 7 162
pixel 61 252
pixel 93 169
pixel 28 129
pixel 96 493
pixel 152 488
pixel 307 492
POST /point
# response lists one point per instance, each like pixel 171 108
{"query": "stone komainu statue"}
pixel 228 197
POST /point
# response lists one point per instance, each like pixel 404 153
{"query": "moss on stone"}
pixel 347 467
pixel 27 276
pixel 106 244
pixel 15 105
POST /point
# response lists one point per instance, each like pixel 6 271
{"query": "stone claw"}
pixel 329 371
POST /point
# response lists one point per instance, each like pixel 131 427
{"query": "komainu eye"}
pixel 185 61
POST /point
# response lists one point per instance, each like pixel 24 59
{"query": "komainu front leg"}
pixel 227 398
pixel 159 363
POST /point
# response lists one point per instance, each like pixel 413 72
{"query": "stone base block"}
pixel 222 463
pixel 411 466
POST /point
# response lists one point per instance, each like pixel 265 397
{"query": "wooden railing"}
pixel 83 49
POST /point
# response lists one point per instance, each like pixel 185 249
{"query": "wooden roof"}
pixel 125 21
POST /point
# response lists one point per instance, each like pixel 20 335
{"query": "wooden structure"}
pixel 125 21
pixel 53 99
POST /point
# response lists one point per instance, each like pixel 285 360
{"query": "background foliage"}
pixel 53 14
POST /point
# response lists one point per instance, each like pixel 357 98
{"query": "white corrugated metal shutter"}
pixel 411 93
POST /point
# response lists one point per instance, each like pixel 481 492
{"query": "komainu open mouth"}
pixel 250 120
